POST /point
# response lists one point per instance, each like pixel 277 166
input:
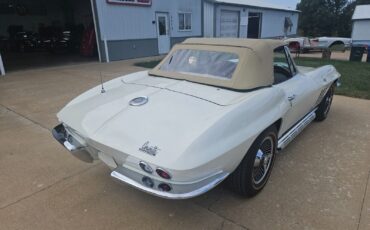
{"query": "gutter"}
pixel 257 7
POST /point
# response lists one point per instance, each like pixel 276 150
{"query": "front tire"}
pixel 324 106
pixel 252 174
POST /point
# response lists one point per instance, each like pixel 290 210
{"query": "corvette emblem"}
pixel 151 150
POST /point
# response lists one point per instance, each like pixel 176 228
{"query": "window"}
pixel 202 63
pixel 283 66
pixel 184 21
pixel 291 62
pixel 162 25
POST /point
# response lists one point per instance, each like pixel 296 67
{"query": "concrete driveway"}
pixel 321 181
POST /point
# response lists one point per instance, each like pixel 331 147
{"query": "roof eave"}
pixel 259 7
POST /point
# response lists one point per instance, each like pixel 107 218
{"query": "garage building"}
pixel 248 19
pixel 44 31
pixel 139 28
pixel 41 33
pixel 361 25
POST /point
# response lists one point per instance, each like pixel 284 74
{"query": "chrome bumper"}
pixel 179 190
pixel 71 144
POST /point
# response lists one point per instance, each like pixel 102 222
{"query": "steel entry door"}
pixel 163 33
pixel 229 24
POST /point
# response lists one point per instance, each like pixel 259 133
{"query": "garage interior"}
pixel 45 33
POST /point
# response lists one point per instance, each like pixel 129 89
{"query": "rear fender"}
pixel 230 137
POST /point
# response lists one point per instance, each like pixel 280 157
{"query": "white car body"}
pixel 198 133
pixel 304 42
pixel 327 42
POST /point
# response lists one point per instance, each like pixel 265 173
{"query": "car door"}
pixel 297 87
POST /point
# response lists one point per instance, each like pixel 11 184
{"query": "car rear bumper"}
pixel 72 144
pixel 178 190
pixel 123 173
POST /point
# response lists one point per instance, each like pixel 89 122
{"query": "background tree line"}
pixel 327 17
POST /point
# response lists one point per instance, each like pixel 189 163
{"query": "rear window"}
pixel 202 63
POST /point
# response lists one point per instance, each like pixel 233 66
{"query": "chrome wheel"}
pixel 263 160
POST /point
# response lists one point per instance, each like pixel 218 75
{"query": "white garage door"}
pixel 229 24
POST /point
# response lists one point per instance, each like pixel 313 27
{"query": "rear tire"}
pixel 324 106
pixel 252 174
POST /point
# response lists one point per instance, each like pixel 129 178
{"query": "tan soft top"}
pixel 254 70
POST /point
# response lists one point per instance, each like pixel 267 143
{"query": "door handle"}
pixel 292 97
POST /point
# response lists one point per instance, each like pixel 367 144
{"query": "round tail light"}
pixel 162 173
pixel 148 182
pixel 144 166
pixel 164 187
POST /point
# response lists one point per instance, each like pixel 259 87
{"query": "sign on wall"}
pixel 131 2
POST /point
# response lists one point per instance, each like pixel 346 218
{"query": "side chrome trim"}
pixel 296 129
pixel 122 178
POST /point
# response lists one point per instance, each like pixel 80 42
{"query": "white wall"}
pixel 123 22
pixel 361 30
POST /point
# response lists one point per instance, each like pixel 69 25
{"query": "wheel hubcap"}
pixel 328 102
pixel 262 162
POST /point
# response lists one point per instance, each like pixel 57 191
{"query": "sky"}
pixel 290 3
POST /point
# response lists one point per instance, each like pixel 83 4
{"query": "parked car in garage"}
pixel 212 109
pixel 25 41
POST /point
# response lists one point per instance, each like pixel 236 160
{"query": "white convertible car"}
pixel 212 109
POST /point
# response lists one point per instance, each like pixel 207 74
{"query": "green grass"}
pixel 355 75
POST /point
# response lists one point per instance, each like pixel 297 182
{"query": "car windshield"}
pixel 202 63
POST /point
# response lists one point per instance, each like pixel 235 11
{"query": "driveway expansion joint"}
pixel 363 200
pixel 221 216
pixel 24 117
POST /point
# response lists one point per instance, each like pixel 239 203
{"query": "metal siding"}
pixel 273 23
pixel 122 22
pixel 208 19
pixel 229 24
pixel 127 49
pixel 242 13
pixel 361 30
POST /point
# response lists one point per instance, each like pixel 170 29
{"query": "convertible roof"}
pixel 254 70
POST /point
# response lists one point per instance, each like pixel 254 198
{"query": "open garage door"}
pixel 229 24
pixel 41 33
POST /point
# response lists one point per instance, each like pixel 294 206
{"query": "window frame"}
pixel 288 59
pixel 292 67
pixel 183 14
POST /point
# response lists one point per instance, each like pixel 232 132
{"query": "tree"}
pixel 319 17
pixel 327 17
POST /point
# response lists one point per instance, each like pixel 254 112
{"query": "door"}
pixel 298 88
pixel 163 33
pixel 229 24
pixel 254 25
